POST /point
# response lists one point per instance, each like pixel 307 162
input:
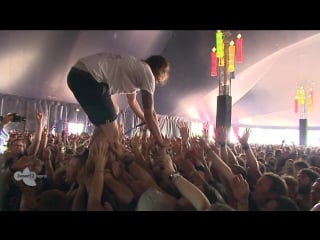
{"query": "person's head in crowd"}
pixel 306 177
pixel 292 185
pixel 270 164
pixel 28 136
pixel 288 168
pixel 301 153
pixel 17 147
pixel 278 153
pixel 293 155
pixel 269 155
pixel 220 207
pixel 300 164
pixel 269 186
pixel 287 149
pixel 303 197
pixel 73 166
pixel 261 155
pixel 308 151
pixel 52 200
pixel 281 203
pixel 51 140
pixel 315 192
pixel 315 160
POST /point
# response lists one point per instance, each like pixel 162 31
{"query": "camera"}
pixel 15 117
pixel 18 118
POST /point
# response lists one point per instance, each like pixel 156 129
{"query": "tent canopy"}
pixel 276 63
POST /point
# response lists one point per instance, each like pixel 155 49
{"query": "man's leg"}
pixel 96 101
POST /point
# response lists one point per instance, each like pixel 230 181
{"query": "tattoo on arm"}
pixel 147 99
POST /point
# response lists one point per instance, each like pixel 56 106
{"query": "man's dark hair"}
pixel 157 62
pixel 313 175
pixel 285 203
pixel 278 184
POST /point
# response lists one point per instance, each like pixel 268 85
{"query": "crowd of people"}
pixel 79 173
pixel 110 171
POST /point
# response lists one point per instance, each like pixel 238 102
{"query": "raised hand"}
pixel 221 135
pixel 98 153
pixel 245 136
pixel 136 143
pixel 240 189
pixel 6 119
pixel 198 153
pixel 39 117
pixel 184 131
pixel 45 131
pixel 119 149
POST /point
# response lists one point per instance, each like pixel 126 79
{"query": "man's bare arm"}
pixel 132 101
pixel 150 116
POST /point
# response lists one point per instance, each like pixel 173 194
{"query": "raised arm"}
pixel 187 189
pixel 43 142
pixel 252 161
pixel 34 146
pixel 221 167
pixel 98 154
pixel 221 137
pixel 6 119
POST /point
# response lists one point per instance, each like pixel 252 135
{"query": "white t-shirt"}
pixel 123 73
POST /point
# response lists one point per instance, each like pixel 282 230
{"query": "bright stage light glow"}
pixel 275 136
pixel 264 135
pixel 75 128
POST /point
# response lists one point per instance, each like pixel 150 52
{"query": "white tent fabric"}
pixel 35 64
pixel 263 94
